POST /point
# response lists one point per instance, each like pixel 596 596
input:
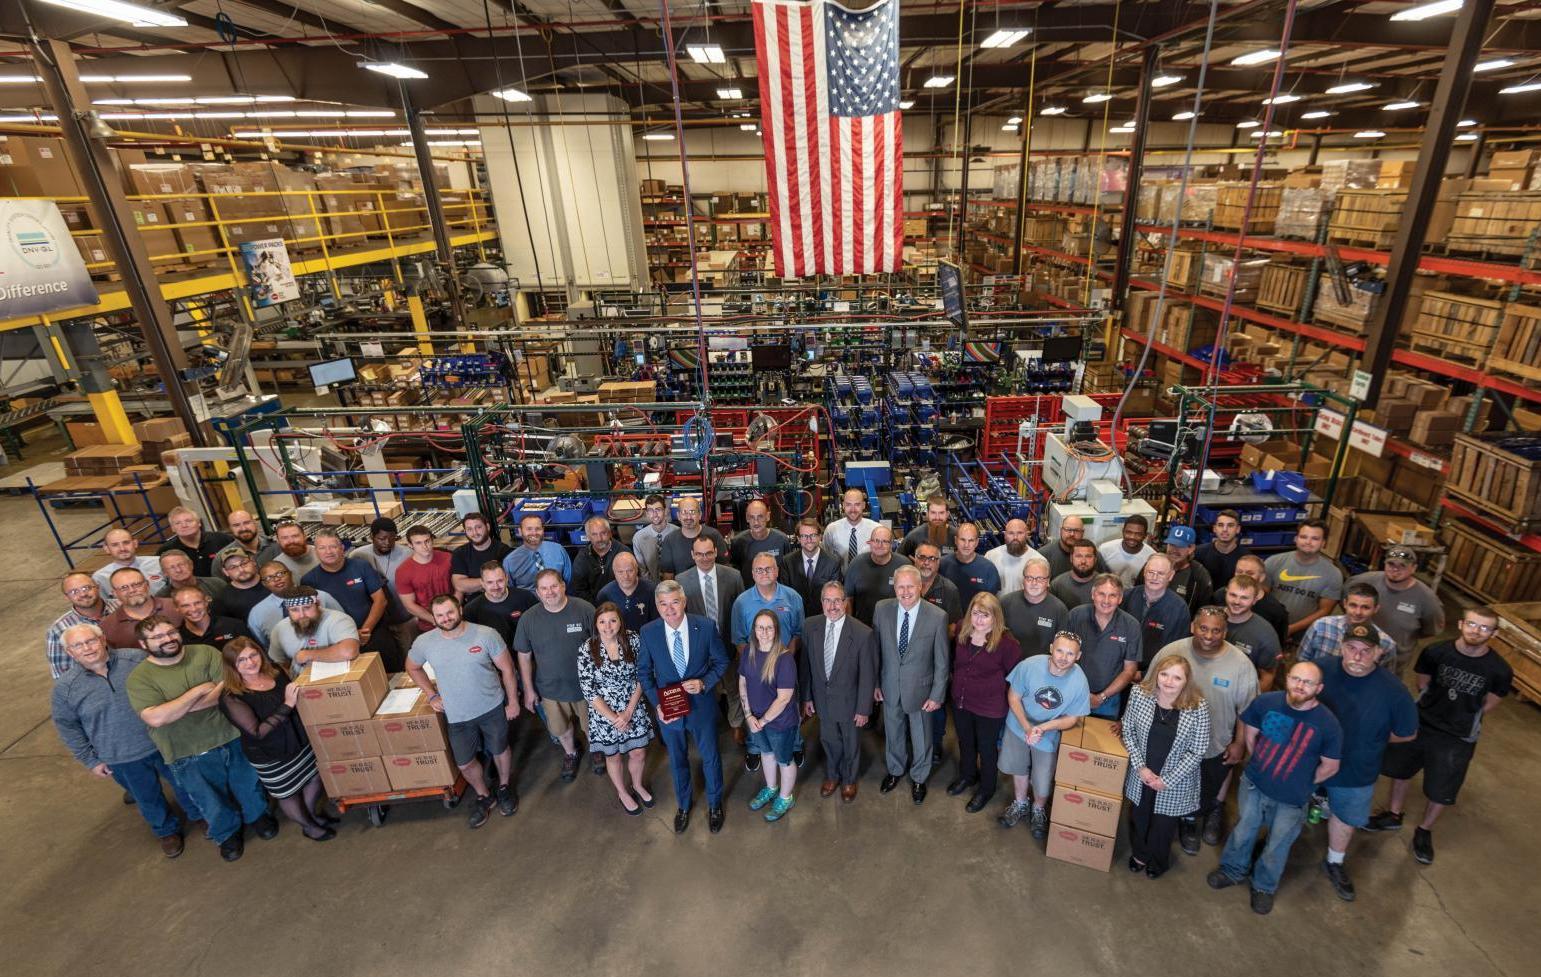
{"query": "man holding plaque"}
pixel 681 660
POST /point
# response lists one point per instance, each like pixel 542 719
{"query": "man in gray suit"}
pixel 837 674
pixel 915 655
pixel 710 590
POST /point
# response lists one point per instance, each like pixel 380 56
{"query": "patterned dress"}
pixel 614 682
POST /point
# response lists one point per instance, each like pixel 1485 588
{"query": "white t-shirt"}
pixel 1010 567
pixel 1120 561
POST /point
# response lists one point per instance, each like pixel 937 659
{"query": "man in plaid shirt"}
pixel 87 606
pixel 1324 637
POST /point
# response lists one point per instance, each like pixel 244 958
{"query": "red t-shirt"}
pixel 425 581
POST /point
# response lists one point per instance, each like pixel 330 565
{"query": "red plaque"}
pixel 673 701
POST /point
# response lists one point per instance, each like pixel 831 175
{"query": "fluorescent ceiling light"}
pixel 512 95
pixel 371 113
pixel 747 126
pixel 1183 116
pixel 1493 65
pixel 19 79
pixel 1096 97
pixel 1008 127
pixel 1248 124
pixel 29 118
pixel 1398 106
pixel 1369 134
pixel 1270 134
pixel 1530 86
pixel 938 81
pixel 219 115
pixel 1427 10
pixel 1015 120
pixel 447 142
pixel 730 93
pixel 1162 81
pixel 1121 130
pixel 321 114
pixel 1004 38
pixel 1282 99
pixel 129 13
pixel 394 69
pixel 1318 114
pixel 270 114
pixel 706 53
pixel 1467 137
pixel 907 104
pixel 658 136
pixel 1466 123
pixel 1257 57
pixel 1349 87
pixel 1052 110
pixel 132 79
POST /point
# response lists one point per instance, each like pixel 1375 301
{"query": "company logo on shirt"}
pixel 356 581
pixel 1048 697
pixel 1407 608
pixel 474 650
pixel 574 627
pixel 1044 622
pixel 1288 577
pixel 1121 639
pixel 1222 683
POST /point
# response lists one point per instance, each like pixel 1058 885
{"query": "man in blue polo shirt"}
pixel 968 571
pixel 360 590
pixel 534 554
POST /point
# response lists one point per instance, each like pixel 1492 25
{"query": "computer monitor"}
pixel 775 356
pixel 1061 349
pixel 333 372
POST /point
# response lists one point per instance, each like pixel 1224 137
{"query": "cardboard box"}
pixel 1514 159
pixel 418 730
pixel 350 778
pixel 1080 847
pixel 1092 758
pixel 351 696
pixel 85 433
pixel 36 166
pixel 415 771
pixel 1087 810
pixel 159 429
pixel 344 741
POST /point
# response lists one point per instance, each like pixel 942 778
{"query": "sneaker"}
pixel 764 797
pixel 751 762
pixel 1188 836
pixel 1213 823
pixel 1384 821
pixel 1423 846
pixel 508 800
pixel 1015 813
pixel 1219 880
pixel 569 768
pixel 1040 823
pixel 477 816
pixel 1262 902
pixel 779 808
pixel 1341 884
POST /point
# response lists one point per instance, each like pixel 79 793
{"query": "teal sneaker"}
pixel 779 809
pixel 764 797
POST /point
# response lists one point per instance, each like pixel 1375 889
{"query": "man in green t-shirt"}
pixel 175 690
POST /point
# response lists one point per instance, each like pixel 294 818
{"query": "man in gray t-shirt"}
pixel 465 670
pixel 551 635
pixel 1306 582
pixel 1408 609
pixel 1228 681
pixel 310 633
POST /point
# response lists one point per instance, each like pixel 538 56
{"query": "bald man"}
pixel 870 577
pixel 848 537
pixel 760 537
pixel 123 547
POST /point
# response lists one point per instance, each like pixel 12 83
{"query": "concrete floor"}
pixel 572 884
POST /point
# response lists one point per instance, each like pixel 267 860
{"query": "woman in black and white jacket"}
pixel 1166 730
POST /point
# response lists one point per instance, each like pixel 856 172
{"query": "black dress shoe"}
pixel 233 847
pixel 936 756
pixel 888 784
pixel 645 803
pixel 959 786
pixel 714 819
pixel 918 793
pixel 978 801
pixel 266 827
pixel 681 820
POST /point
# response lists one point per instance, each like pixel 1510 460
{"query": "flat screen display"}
pixel 332 372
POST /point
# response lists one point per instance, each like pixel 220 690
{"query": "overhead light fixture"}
pixel 1162 81
pixel 1282 99
pixel 1052 110
pixel 1010 127
pixel 1529 86
pixel 1369 134
pixel 706 53
pixel 1493 65
pixel 1015 120
pixel 907 104
pixel 513 95
pixel 1349 87
pixel 134 79
pixel 394 69
pixel 1467 137
pixel 730 94
pixel 1096 97
pixel 321 114
pixel 219 115
pixel 747 126
pixel 1248 124
pixel 19 79
pixel 1183 116
pixel 1004 38
pixel 938 81
pixel 1317 114
pixel 1270 134
pixel 129 13
pixel 1257 57
pixel 1466 123
pixel 658 136
pixel 1426 10
pixel 1398 106
pixel 370 114
pixel 29 118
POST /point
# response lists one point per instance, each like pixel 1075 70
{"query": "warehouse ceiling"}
pixel 312 51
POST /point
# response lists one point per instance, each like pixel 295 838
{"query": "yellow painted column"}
pixel 221 485
pixel 420 324
pixel 112 418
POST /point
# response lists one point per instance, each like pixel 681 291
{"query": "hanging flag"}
pixel 834 158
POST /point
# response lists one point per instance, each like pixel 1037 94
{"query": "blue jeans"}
pixel 142 779
pixel 1258 811
pixel 224 787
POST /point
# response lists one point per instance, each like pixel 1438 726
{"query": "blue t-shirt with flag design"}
pixel 1290 744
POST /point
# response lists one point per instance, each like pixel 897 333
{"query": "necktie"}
pixel 808 573
pixel 539 563
pixel 850 548
pixel 829 649
pixel 678 654
pixel 709 594
pixel 904 634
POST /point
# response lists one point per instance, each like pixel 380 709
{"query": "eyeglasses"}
pixel 1036 578
pixel 926 559
pixel 1480 628
pixel 82 589
pixel 82 645
pixel 276 576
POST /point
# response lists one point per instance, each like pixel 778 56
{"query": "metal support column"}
pixel 445 254
pixel 1027 143
pixel 1477 148
pixel 1444 112
pixel 95 382
pixel 1316 149
pixel 104 188
pixel 1126 231
pixel 968 133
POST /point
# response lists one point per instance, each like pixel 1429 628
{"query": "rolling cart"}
pixel 378 805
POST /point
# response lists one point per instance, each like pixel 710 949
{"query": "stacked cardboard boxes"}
pixel 1088 794
pixel 414 744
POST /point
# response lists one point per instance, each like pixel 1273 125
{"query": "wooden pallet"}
pixel 1446 347
pixel 1502 485
pixel 1518 640
pixel 1231 205
pixel 1282 287
pixel 1489 567
pixel 1366 217
pixel 1518 349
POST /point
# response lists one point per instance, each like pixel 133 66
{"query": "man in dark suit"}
pixel 710 590
pixel 685 648
pixel 809 567
pixel 915 657
pixel 837 673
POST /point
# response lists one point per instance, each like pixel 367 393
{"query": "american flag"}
pixel 834 157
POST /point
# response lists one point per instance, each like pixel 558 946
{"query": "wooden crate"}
pixel 1487 471
pixel 1042 230
pixel 1518 350
pixel 1187 263
pixel 1495 222
pixel 1231 206
pixel 1488 566
pixel 1518 640
pixel 1455 325
pixel 1282 287
pixel 1352 317
pixel 1221 273
pixel 1366 217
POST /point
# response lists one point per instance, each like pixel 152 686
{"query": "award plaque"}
pixel 673 701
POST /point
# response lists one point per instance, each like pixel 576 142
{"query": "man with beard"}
pixel 309 633
pixel 248 535
pixel 548 640
pixel 270 610
pixel 1033 615
pixel 847 537
pixel 175 691
pixel 1256 638
pixel 87 606
pixel 534 554
pixel 1219 555
pixel 1190 580
pixel 1011 556
pixel 645 542
pixel 760 537
pixel 243 590
pixel 935 530
pixel 1162 614
pixel 360 591
pixel 595 565
pixel 1071 531
pixel 1074 586
pixel 482 544
pixel 629 592
pixel 808 568
pixel 134 605
pixel 1295 744
pixel 970 572
pixel 294 549
pixel 191 539
pixel 674 550
pixel 870 577
pixel 199 627
pixel 473 686
pixel 177 572
pixel 123 547
pixel 1126 555
pixel 499 606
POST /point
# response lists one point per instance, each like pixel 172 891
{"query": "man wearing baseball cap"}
pixel 1190 580
pixel 1409 609
pixel 1374 708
